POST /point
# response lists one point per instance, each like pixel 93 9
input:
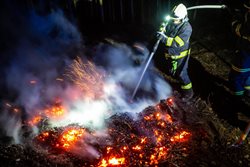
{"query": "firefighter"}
pixel 239 76
pixel 175 36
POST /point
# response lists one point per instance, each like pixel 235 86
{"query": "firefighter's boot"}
pixel 187 94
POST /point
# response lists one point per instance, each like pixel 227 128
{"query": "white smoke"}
pixel 43 53
pixel 121 80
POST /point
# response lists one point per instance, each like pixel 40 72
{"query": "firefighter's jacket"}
pixel 241 27
pixel 178 39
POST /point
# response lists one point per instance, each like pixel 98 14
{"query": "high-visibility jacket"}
pixel 240 72
pixel 242 31
pixel 178 38
pixel 177 44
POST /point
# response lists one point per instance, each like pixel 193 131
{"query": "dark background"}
pixel 123 20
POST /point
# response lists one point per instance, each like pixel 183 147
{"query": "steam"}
pixel 44 51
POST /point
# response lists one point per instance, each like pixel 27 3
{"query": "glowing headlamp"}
pixel 167 18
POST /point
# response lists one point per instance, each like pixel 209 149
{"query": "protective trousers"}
pixel 179 70
pixel 239 76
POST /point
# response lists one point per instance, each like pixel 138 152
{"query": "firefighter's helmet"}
pixel 247 4
pixel 179 12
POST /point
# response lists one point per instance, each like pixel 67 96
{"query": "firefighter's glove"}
pixel 161 36
pixel 174 67
pixel 162 27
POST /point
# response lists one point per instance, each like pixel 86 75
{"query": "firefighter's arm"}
pixel 180 39
pixel 241 27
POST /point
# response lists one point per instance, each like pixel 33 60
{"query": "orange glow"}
pixel 33 81
pixel 158 116
pixel 170 101
pixel 143 140
pixel 162 151
pixel 35 120
pixel 55 112
pixel 86 77
pixel 158 107
pixel 124 148
pixel 109 149
pixel 181 137
pixel 70 137
pixel 169 118
pixel 136 148
pixel 16 110
pixel 43 136
pixel 112 162
pixel 147 118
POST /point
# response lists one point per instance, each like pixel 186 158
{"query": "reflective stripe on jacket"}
pixel 178 38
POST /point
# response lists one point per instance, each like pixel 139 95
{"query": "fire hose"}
pixel 158 41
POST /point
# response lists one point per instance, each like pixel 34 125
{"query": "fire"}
pixel 43 136
pixel 70 137
pixel 35 120
pixel 55 112
pixel 86 77
pixel 181 137
pixel 148 142
pixel 113 161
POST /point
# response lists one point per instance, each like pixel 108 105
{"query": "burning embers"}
pixel 65 139
pixel 152 139
pixel 53 112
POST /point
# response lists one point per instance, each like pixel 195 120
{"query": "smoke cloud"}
pixel 45 48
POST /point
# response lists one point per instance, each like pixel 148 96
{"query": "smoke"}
pixel 45 48
pixel 122 70
pixel 41 51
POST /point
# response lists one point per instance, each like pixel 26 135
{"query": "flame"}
pixel 137 147
pixel 70 137
pixel 55 111
pixel 181 137
pixel 86 77
pixel 43 136
pixel 35 120
pixel 113 161
pixel 169 118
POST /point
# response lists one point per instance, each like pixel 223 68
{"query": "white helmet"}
pixel 179 12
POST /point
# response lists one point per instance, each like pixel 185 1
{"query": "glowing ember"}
pixel 35 120
pixel 55 112
pixel 70 137
pixel 86 77
pixel 33 82
pixel 148 141
pixel 170 101
pixel 112 162
pixel 43 136
pixel 181 137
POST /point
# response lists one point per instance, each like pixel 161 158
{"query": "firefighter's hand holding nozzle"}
pixel 161 36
